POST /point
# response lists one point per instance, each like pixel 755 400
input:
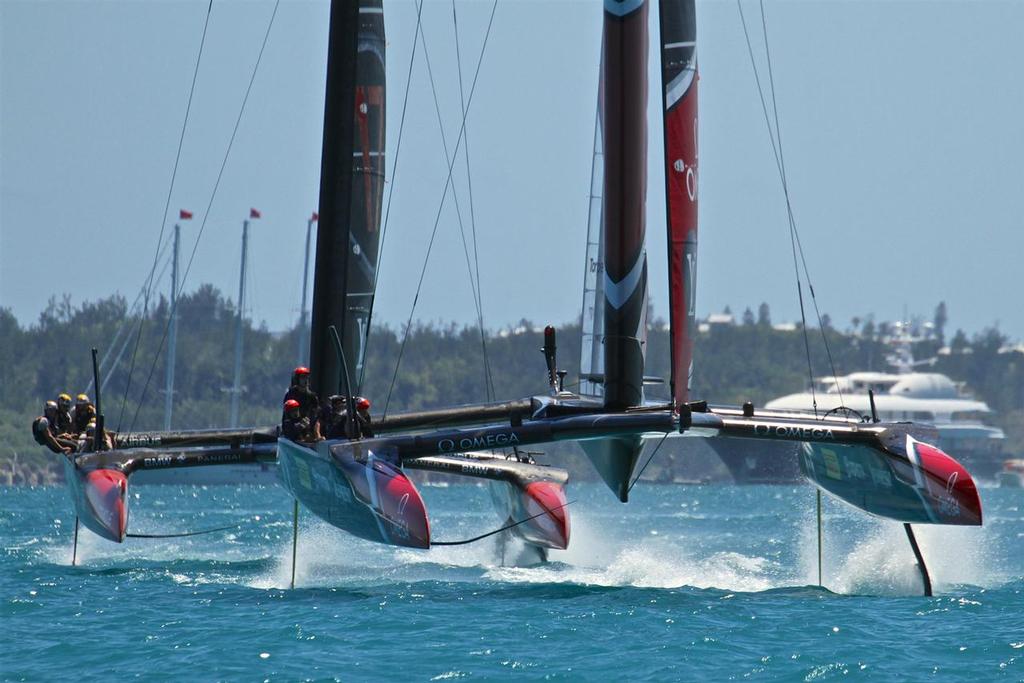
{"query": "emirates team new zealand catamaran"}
pixel 360 484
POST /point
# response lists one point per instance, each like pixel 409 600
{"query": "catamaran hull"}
pixel 542 504
pixel 368 497
pixel 927 487
pixel 100 499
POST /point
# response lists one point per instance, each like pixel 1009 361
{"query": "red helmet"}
pixel 299 371
pixel 291 404
pixel 362 403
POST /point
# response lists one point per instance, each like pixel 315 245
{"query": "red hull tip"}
pixel 402 505
pixel 950 486
pixel 105 492
pixel 547 501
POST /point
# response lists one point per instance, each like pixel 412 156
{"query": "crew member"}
pixel 64 423
pixel 309 403
pixel 87 441
pixel 85 412
pixel 363 417
pixel 42 429
pixel 332 418
pixel 295 425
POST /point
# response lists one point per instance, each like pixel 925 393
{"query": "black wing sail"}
pixel 351 190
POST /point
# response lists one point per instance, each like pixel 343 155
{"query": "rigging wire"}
pixel 167 204
pixel 775 138
pixel 789 206
pixel 649 459
pixel 488 374
pixel 209 206
pixel 129 313
pixel 467 541
pixel 448 160
pixel 391 188
pixel 458 209
pixel 186 533
pixel 440 208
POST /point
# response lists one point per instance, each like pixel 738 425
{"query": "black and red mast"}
pixel 679 97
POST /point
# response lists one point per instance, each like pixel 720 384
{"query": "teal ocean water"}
pixel 684 583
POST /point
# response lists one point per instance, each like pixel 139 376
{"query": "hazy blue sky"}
pixel 901 124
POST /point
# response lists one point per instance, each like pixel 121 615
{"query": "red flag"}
pixel 315 217
pixel 253 213
pixel 184 215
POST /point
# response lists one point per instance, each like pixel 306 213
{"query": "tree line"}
pixel 440 364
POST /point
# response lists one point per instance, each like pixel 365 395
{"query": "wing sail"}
pixel 679 96
pixel 351 190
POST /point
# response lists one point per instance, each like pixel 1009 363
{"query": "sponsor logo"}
pixel 856 470
pixel 157 461
pixel 794 432
pixel 136 440
pixel 213 459
pixel 467 443
pixel 881 477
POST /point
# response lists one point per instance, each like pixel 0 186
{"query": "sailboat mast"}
pixel 303 357
pixel 624 127
pixel 236 388
pixel 679 99
pixel 351 191
pixel 172 334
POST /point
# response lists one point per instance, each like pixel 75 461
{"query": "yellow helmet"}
pixel 64 397
pixel 82 398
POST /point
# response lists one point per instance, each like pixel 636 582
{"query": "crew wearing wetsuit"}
pixel 43 426
pixel 309 402
pixel 64 422
pixel 85 412
pixel 295 425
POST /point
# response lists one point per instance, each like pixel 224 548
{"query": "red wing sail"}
pixel 679 94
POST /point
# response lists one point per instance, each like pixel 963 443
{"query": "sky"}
pixel 900 122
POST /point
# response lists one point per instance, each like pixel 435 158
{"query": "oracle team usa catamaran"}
pixel 359 484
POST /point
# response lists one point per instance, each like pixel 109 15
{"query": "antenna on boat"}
pixel 344 382
pixel 97 435
pixel 303 313
pixel 874 411
pixel 549 349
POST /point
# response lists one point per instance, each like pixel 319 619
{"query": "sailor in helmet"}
pixel 64 423
pixel 85 412
pixel 295 425
pixel 363 417
pixel 332 418
pixel 43 426
pixel 309 402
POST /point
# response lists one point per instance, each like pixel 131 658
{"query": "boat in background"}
pixel 1012 474
pixel 901 396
